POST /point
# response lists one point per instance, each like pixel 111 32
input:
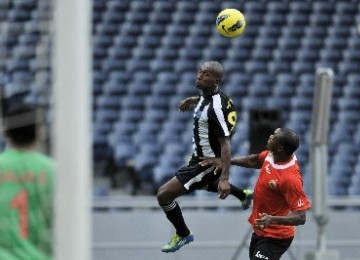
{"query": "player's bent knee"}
pixel 162 195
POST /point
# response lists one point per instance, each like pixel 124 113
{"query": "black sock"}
pixel 235 191
pixel 174 215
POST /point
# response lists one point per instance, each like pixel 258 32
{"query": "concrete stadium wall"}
pixel 138 235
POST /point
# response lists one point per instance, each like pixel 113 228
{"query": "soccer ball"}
pixel 230 23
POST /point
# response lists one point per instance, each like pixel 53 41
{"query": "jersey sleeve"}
pixel 295 194
pixel 263 155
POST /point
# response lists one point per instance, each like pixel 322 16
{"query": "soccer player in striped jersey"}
pixel 280 202
pixel 26 190
pixel 214 124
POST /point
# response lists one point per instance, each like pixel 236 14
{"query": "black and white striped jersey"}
pixel 214 117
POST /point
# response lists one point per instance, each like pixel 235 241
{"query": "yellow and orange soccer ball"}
pixel 230 23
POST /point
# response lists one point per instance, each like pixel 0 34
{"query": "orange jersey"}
pixel 278 191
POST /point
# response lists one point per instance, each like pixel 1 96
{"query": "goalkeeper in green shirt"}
pixel 26 190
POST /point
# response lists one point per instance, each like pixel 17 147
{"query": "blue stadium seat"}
pixel 259 90
pixel 214 53
pixel 163 89
pixel 346 8
pixel 354 188
pixel 320 20
pixel 239 78
pixel 123 152
pixel 261 54
pixel 307 54
pixel 284 90
pixel 108 102
pixel 302 103
pixel 183 18
pixel 298 18
pixel 302 67
pixel 351 55
pixel 143 76
pixel 186 89
pixel 204 18
pixel 170 134
pixel 352 91
pixel 165 170
pixel 106 29
pixel 184 65
pixel 253 102
pixel 114 88
pixel 316 32
pixel 169 77
pixel 236 90
pixel 131 115
pixel 254 66
pixel 341 132
pixel 266 42
pixel 118 6
pixel 112 64
pixel 354 43
pixel 278 8
pixel 343 24
pixel 161 6
pixel 275 19
pixel 141 52
pixel 348 103
pixel 105 114
pixel 321 8
pixel 137 65
pixel 300 116
pixel 208 7
pixel 300 7
pixel 186 6
pixel 142 136
pixel 122 131
pixel 120 77
pixel 279 66
pixel 293 34
pixel 335 43
pixel 270 32
pixel 353 79
pixel 167 54
pixel 232 66
pixel 254 8
pixel 200 31
pixel 133 102
pixel 330 54
pixel 196 42
pixel 156 102
pixel 305 91
pixel 279 102
pixel 139 88
pixel 159 65
pixel 155 115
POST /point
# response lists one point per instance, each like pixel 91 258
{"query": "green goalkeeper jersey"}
pixel 26 202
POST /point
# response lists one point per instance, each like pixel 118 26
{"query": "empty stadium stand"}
pixel 145 55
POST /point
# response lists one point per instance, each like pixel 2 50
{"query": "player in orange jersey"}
pixel 279 202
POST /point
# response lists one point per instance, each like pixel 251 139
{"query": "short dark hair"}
pixel 288 139
pixel 216 68
pixel 20 124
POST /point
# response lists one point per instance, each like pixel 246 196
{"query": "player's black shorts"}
pixel 268 248
pixel 195 177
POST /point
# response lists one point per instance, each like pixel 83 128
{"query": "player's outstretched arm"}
pixel 186 103
pixel 249 161
pixel 294 218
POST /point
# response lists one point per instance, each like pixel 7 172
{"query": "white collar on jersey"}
pixel 270 159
